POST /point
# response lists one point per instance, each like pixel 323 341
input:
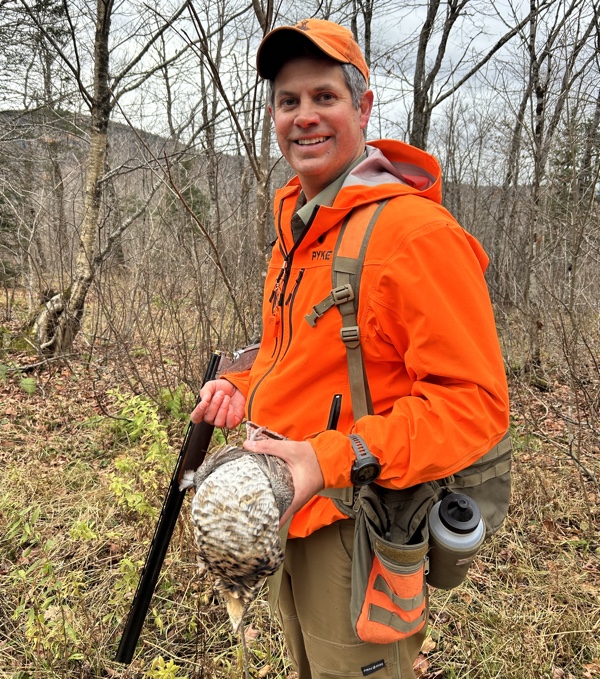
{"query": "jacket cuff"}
pixel 239 380
pixel 335 456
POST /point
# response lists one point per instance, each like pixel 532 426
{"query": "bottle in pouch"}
pixel 456 532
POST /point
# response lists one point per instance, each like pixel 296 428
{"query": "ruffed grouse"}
pixel 239 500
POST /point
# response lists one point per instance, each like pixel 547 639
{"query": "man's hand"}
pixel 304 467
pixel 221 404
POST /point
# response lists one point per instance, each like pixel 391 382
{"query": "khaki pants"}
pixel 314 607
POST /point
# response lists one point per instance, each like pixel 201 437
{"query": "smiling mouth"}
pixel 309 142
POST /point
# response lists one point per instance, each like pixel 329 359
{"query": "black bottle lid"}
pixel 459 513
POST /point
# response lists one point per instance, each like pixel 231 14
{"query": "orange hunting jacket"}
pixel 428 337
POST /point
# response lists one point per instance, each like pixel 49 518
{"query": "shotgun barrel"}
pixel 193 450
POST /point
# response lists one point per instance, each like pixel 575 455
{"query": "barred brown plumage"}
pixel 236 508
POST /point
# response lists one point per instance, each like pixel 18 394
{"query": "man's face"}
pixel 318 130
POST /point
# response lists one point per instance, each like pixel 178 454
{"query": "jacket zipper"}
pixel 278 301
pixel 289 302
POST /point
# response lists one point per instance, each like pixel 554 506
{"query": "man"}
pixel 428 338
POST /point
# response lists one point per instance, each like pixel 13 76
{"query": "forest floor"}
pixel 85 464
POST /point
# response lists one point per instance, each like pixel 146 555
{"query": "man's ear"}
pixel 365 108
pixel 270 109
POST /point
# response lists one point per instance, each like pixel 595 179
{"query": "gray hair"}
pixel 354 79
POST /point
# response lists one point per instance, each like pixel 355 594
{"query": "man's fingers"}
pixel 233 419
pixel 197 414
pixel 216 410
pixel 259 446
pixel 213 409
pixel 223 412
pixel 220 404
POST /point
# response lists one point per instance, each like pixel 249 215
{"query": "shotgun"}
pixel 195 444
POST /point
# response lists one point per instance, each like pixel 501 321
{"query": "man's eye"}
pixel 326 96
pixel 287 102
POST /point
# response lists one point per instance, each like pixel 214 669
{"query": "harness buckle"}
pixel 338 296
pixel 342 294
pixel 350 336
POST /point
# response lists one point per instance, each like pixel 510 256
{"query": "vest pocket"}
pixel 389 593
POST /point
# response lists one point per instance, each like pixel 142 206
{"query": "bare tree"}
pixel 559 60
pixel 249 94
pixel 439 25
pixel 59 322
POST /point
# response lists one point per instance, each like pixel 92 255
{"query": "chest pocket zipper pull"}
pixel 275 321
pixel 276 293
pixel 290 297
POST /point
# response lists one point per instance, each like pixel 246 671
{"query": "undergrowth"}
pixel 79 498
pixel 83 477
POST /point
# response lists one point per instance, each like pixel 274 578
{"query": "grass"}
pixel 531 605
pixel 72 546
pixel 79 496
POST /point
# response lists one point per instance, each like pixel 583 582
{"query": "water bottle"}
pixel 456 532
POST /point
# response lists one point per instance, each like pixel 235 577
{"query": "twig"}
pixel 213 247
pixel 242 633
pixel 567 450
pixel 32 366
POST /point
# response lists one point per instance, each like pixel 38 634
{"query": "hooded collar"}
pixel 389 169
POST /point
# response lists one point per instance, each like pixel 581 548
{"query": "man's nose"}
pixel 306 115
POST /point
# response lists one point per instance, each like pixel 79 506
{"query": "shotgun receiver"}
pixel 195 444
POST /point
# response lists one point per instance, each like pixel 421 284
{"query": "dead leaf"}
pixel 428 645
pixel 421 665
pixel 264 671
pixel 442 618
pixel 251 633
pixel 558 673
pixel 465 597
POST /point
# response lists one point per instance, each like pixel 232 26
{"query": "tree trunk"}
pixel 262 190
pixel 506 208
pixel 419 128
pixel 60 320
pixel 60 242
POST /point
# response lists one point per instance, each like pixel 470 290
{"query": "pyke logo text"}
pixel 322 255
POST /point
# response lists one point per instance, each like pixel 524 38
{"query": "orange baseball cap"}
pixel 332 39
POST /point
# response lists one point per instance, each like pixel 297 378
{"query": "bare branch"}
pixel 75 69
pixel 219 84
pixel 155 36
pixel 213 247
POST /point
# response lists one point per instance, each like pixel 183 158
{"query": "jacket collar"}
pixel 391 168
